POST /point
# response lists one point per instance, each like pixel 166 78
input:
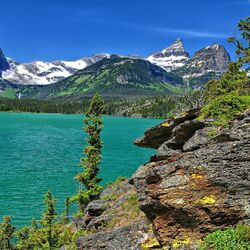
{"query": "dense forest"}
pixel 153 107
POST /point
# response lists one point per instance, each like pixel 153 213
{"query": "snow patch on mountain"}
pixel 43 73
pixel 172 57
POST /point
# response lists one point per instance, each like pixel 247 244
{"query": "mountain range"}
pixel 166 71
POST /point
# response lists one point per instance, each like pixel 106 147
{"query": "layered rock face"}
pixel 199 185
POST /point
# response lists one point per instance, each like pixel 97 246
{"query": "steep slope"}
pixel 172 57
pixel 206 64
pixel 42 73
pixel 113 77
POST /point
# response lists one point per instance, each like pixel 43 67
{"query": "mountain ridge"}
pixel 167 71
pixel 116 76
pixel 170 59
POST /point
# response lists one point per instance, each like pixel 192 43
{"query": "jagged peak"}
pixel 177 46
pixel 171 57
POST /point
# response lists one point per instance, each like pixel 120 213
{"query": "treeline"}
pixel 37 106
pixel 153 107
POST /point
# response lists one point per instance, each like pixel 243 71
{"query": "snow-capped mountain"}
pixel 42 73
pixel 172 57
pixel 212 60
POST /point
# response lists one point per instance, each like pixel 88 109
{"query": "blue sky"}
pixel 70 29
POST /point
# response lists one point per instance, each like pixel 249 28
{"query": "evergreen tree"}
pixel 23 237
pixel 90 163
pixel 6 233
pixel 48 218
pixel 66 211
pixel 243 47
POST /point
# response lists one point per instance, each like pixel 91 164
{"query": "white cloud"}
pixel 163 30
pixel 178 32
pixel 191 33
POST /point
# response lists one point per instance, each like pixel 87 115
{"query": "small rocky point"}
pixel 197 182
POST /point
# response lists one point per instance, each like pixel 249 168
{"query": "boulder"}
pixel 183 132
pixel 164 152
pixel 199 139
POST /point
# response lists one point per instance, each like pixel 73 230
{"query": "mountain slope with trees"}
pixel 112 77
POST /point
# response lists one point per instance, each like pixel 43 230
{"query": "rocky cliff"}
pixel 197 182
pixel 206 64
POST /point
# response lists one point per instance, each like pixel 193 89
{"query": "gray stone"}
pixel 197 140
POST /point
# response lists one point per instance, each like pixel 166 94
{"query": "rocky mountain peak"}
pixel 213 58
pixel 176 47
pixel 4 65
pixel 172 57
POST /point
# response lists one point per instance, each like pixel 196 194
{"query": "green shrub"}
pixel 212 133
pixel 116 182
pixel 230 239
pixel 234 80
pixel 224 108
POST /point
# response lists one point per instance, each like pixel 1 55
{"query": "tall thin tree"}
pixel 48 217
pixel 88 178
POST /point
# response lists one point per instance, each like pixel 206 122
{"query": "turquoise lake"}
pixel 41 152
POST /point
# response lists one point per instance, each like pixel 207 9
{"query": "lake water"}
pixel 40 152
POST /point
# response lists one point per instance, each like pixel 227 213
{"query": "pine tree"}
pixel 6 233
pixel 48 217
pixel 66 210
pixel 90 163
pixel 243 47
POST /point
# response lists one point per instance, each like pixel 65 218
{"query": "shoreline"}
pixel 118 116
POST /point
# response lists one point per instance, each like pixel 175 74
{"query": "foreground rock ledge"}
pixel 190 194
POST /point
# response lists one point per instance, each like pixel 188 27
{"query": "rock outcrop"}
pixel 197 182
pixel 189 194
pixel 156 136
